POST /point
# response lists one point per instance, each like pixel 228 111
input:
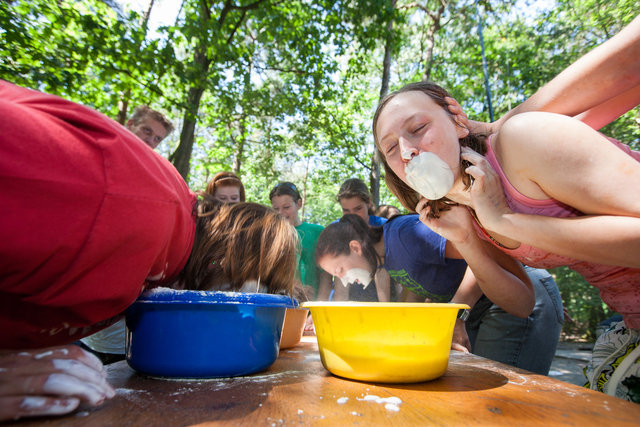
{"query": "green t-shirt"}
pixel 307 268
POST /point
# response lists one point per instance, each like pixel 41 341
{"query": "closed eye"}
pixel 391 148
pixel 419 128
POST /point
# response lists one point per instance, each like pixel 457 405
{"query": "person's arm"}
pixel 609 74
pixel 552 156
pixel 50 381
pixel 603 114
pixel 383 285
pixel 501 278
pixel 468 293
pixel 605 72
pixel 340 291
pixel 324 285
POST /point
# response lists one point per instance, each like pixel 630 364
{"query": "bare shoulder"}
pixel 532 145
pixel 532 127
pixel 549 155
pixel 547 135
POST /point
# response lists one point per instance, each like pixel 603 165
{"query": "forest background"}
pixel 285 89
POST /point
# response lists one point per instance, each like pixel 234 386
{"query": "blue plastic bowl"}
pixel 196 334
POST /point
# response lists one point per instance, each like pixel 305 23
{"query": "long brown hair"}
pixel 240 242
pixel 225 179
pixel 405 194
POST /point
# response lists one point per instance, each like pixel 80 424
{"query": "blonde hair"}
pixel 225 179
pixel 405 194
pixel 240 242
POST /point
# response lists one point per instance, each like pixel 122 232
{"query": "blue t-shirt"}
pixel 375 221
pixel 414 257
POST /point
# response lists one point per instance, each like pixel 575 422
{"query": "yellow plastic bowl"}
pixel 384 342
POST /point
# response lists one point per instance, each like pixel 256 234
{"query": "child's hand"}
pixel 462 119
pixel 487 195
pixel 460 341
pixel 308 327
pixel 51 381
pixel 454 224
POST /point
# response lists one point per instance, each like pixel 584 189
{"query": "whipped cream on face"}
pixel 359 275
pixel 429 175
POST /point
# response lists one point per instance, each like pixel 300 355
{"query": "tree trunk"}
pixel 436 24
pixel 374 177
pixel 237 162
pixel 123 107
pixel 428 57
pixel 181 158
pixel 145 17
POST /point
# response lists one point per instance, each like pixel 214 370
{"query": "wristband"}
pixel 463 314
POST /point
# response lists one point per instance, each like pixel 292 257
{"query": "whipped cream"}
pixel 429 175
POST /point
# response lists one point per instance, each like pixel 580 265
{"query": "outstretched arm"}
pixel 605 72
pixel 604 82
pixel 383 285
pixel 324 285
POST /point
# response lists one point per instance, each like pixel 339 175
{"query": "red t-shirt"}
pixel 89 217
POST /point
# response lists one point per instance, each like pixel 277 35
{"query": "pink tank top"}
pixel 619 286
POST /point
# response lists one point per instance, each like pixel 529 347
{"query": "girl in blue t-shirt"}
pixel 406 250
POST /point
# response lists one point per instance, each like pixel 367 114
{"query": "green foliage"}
pixel 582 302
pixel 288 88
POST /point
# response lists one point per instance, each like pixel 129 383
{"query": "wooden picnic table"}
pixel 297 390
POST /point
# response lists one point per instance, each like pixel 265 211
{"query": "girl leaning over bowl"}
pixel 545 189
pixel 90 218
pixel 428 265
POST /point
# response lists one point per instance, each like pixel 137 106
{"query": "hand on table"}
pixel 308 327
pixel 50 381
pixel 460 341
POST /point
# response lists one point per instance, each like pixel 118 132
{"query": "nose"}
pixel 407 150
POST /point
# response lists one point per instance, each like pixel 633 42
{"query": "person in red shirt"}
pixel 90 218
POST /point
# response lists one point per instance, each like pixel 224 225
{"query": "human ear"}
pixel 355 247
pixel 299 203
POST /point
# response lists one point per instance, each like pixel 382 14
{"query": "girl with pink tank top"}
pixel 619 286
pixel 550 192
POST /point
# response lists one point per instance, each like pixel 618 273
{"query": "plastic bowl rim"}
pixel 174 297
pixel 323 304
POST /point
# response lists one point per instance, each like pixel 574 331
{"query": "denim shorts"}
pixel 528 343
